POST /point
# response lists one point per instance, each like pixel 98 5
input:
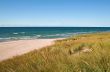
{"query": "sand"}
pixel 14 48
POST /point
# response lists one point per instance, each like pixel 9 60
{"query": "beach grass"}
pixel 81 53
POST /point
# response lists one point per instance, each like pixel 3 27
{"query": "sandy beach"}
pixel 14 48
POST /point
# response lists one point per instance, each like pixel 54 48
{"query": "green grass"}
pixel 65 56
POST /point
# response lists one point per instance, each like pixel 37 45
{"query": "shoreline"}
pixel 9 49
pixel 10 40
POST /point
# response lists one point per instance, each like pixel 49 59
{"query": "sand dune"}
pixel 14 48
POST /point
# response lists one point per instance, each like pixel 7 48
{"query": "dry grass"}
pixel 82 53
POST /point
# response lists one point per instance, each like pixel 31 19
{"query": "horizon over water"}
pixel 21 33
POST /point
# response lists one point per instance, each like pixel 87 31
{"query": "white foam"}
pixel 15 33
pixel 22 32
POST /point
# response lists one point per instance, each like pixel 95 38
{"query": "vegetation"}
pixel 82 53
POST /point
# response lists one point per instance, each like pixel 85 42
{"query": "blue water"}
pixel 16 33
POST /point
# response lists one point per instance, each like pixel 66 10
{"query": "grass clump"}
pixel 83 53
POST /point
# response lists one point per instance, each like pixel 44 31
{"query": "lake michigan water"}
pixel 19 33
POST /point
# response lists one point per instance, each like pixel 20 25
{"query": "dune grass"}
pixel 82 53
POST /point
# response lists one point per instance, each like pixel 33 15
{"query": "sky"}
pixel 55 13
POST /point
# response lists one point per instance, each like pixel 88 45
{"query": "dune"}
pixel 14 48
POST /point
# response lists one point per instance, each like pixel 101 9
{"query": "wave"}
pixel 65 34
pixel 21 38
pixel 35 36
pixel 15 33
pixel 22 32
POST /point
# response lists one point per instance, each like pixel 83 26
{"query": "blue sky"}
pixel 75 13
